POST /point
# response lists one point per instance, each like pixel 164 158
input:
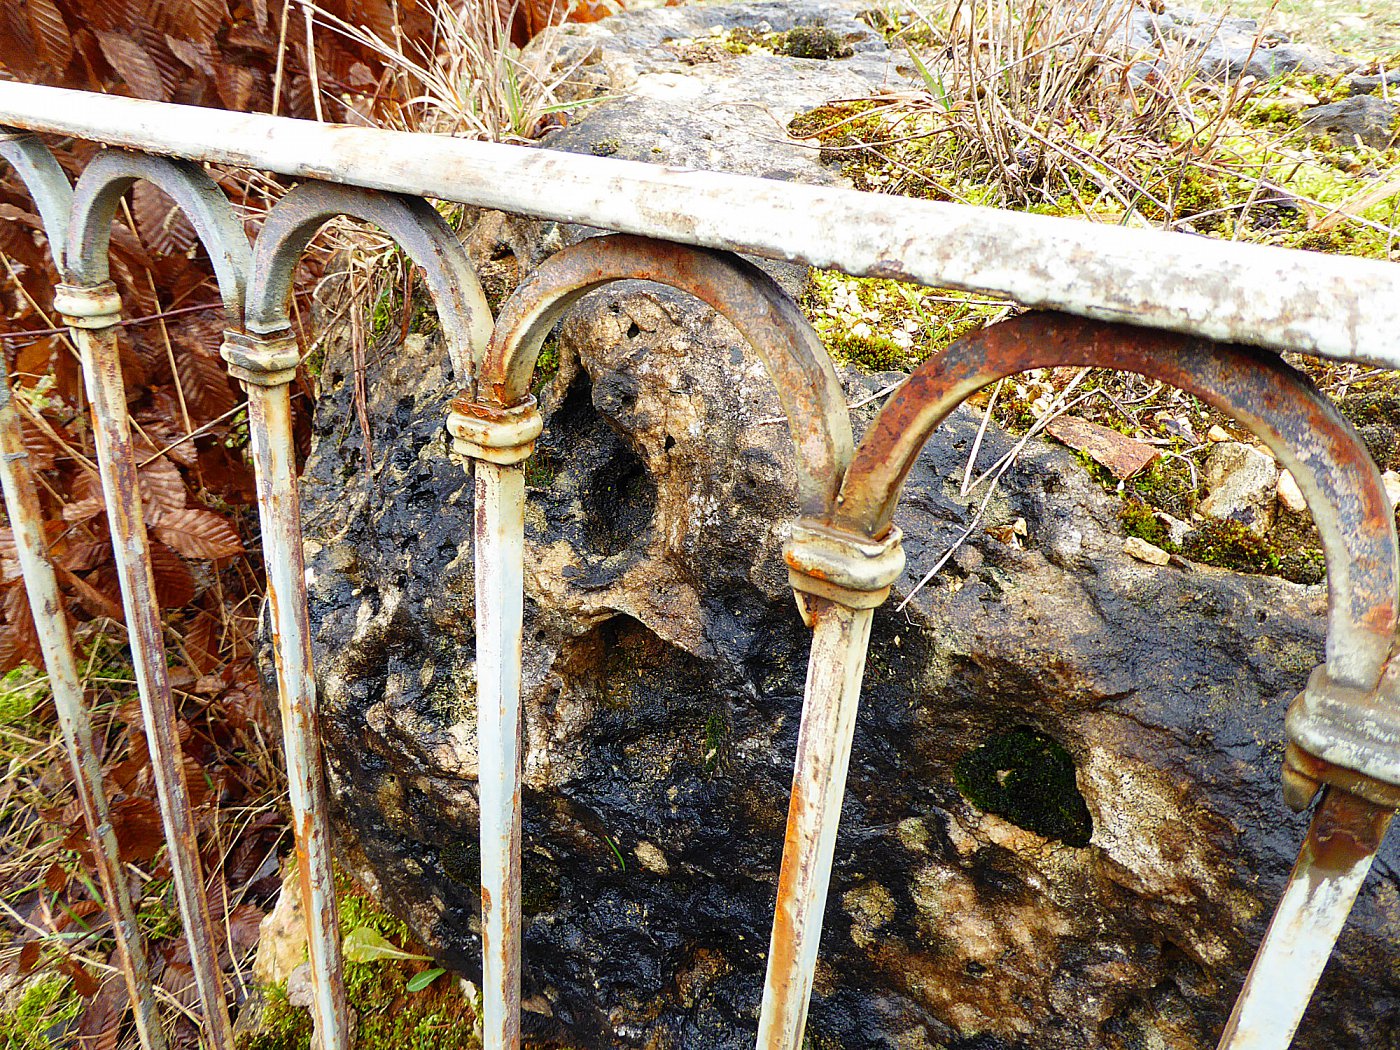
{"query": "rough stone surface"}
pixel 682 103
pixel 1365 84
pixel 664 665
pixel 1392 486
pixel 1242 482
pixel 1364 118
pixel 1222 46
pixel 1140 549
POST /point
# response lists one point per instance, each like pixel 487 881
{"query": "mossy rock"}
pixel 1027 778
pixel 816 41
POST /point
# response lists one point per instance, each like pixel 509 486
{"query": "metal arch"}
pixel 46 182
pixel 99 192
pixel 412 222
pixel 92 308
pixel 49 187
pixel 769 320
pixel 1349 504
pixel 1280 406
pixel 495 424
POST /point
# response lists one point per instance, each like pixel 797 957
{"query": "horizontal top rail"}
pixel 1280 298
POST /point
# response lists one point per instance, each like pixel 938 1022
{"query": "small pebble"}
pixel 1290 495
pixel 1392 487
pixel 1177 530
pixel 1217 433
pixel 1139 548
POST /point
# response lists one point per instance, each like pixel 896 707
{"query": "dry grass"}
pixel 56 945
pixel 1038 97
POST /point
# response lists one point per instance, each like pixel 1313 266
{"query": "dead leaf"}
pixel 197 533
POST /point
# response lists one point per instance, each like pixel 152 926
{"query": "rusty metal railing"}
pixel 681 228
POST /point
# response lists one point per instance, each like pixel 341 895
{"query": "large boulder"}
pixel 1125 720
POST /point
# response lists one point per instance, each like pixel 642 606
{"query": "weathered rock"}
pixel 1391 480
pixel 1222 47
pixel 1242 482
pixel 681 105
pixel 1365 84
pixel 1361 118
pixel 281 935
pixel 1122 455
pixel 664 668
pixel 664 665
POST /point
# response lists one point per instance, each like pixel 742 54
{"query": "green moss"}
pixel 546 365
pixel 282 1025
pixel 461 860
pixel 1027 778
pixel 357 910
pixel 40 1017
pixel 539 882
pixel 1138 520
pixel 388 1016
pixel 1271 114
pixel 1305 565
pixel 1167 484
pixel 882 325
pixel 716 732
pixel 20 696
pixel 1230 545
pixel 541 469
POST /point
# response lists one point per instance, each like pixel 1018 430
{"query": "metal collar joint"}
pixel 492 433
pixel 846 567
pixel 261 360
pixel 1344 736
pixel 97 307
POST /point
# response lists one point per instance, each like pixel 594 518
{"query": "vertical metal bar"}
pixel 1345 833
pixel 279 510
pixel 26 521
pixel 500 580
pixel 834 672
pixel 93 315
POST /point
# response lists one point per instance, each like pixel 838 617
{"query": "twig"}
pixel 1003 465
pixel 977 441
pixel 37 333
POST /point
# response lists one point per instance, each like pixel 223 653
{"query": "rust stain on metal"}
pixel 51 623
pixel 262 367
pixel 1348 830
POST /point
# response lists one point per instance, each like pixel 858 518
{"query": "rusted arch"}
pixel 46 182
pixel 420 231
pixel 99 193
pixel 793 353
pixel 1280 406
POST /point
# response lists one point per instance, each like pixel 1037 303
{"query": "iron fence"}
pixel 1141 301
